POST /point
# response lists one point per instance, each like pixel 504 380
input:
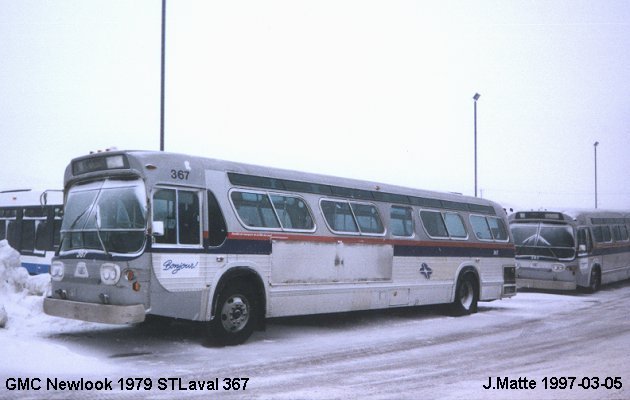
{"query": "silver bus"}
pixel 233 244
pixel 571 249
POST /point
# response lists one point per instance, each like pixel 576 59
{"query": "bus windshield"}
pixel 107 216
pixel 545 241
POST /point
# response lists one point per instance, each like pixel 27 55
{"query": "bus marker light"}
pixel 136 286
pixel 130 275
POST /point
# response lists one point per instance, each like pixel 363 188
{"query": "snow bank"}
pixel 16 285
pixel 25 330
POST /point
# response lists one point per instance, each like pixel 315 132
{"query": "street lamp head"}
pixel 476 96
pixel 595 144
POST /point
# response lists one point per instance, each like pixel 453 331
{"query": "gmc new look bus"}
pixel 233 244
pixel 30 221
pixel 571 249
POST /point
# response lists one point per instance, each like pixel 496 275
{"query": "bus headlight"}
pixel 56 271
pixel 558 267
pixel 110 273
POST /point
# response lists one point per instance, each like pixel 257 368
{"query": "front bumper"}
pixel 545 284
pixel 93 312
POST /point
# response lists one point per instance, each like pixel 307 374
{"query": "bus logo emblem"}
pixel 426 271
pixel 81 270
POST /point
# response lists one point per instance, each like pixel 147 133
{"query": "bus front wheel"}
pixel 595 283
pixel 236 315
pixel 466 295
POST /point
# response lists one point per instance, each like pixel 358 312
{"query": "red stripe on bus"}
pixel 366 240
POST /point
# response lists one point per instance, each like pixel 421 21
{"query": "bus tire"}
pixel 236 315
pixel 595 281
pixel 466 295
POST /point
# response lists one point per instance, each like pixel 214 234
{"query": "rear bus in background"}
pixel 30 221
pixel 232 244
pixel 571 249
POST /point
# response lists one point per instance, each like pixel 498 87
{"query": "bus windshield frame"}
pixel 106 216
pixel 540 240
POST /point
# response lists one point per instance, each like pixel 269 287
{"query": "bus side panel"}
pixel 184 272
pixel 431 278
pixel 616 266
pixel 182 282
pixel 491 277
pixel 312 262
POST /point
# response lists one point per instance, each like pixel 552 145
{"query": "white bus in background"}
pixel 571 249
pixel 30 221
pixel 232 244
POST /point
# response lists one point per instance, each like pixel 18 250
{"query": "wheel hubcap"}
pixel 235 313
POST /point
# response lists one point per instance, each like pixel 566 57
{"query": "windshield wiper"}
pixel 76 220
pixel 97 224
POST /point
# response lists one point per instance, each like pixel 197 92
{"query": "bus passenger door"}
pixel 178 259
pixel 584 254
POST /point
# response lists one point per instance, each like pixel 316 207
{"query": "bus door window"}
pixel 188 217
pixel 585 243
pixel 179 211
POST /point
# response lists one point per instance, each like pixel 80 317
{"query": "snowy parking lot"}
pixel 535 345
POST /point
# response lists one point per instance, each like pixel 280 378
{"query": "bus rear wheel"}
pixel 466 295
pixel 236 315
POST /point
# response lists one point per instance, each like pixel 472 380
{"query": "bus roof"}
pixel 577 215
pixel 140 163
pixel 29 197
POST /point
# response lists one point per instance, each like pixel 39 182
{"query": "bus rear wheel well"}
pixel 466 294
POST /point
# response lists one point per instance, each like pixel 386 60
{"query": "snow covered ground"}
pixel 403 354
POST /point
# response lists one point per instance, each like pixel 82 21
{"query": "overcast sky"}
pixel 376 90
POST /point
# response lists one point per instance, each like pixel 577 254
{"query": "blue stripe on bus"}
pixel 230 246
pixel 35 269
pixel 264 247
pixel 438 251
pixel 601 251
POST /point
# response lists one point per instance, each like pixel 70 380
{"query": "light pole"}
pixel 162 75
pixel 595 148
pixel 475 98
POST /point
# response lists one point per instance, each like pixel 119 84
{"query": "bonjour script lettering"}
pixel 175 267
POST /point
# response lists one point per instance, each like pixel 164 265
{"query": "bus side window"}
pixel 217 231
pixel 3 229
pixel 401 221
pixel 13 234
pixel 43 236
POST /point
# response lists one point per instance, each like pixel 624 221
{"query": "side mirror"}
pixel 582 248
pixel 158 228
